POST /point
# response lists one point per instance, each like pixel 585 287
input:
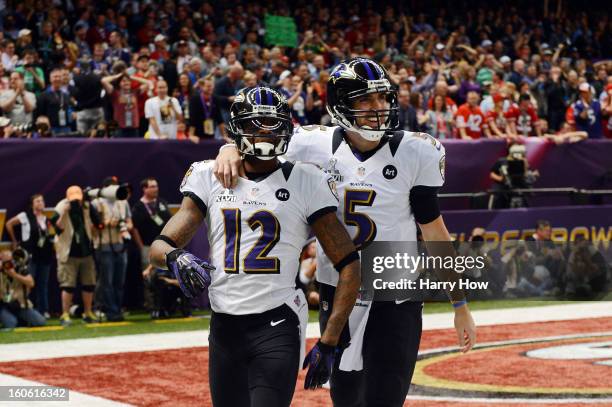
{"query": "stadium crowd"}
pixel 170 70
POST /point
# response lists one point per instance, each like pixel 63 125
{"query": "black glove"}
pixel 320 362
pixel 192 273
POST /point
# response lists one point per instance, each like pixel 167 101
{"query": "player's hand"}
pixel 192 273
pixel 228 167
pixel 465 328
pixel 320 362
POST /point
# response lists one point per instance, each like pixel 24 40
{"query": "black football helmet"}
pixel 355 78
pixel 260 113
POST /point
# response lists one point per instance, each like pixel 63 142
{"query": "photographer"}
pixel 166 293
pixel 509 173
pixel 15 284
pixel 42 128
pixel 74 222
pixel 18 104
pixel 115 227
pixel 36 237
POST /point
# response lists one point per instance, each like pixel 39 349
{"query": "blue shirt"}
pixel 592 124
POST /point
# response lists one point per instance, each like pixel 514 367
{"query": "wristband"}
pixel 167 240
pixel 459 303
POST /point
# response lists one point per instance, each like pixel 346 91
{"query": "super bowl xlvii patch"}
pixel 442 165
pixel 332 187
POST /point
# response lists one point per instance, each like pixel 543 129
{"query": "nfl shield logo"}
pixel 254 191
pixel 361 171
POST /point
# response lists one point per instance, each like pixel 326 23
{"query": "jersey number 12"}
pixel 256 261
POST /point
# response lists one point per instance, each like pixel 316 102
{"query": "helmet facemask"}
pixel 382 120
pixel 262 136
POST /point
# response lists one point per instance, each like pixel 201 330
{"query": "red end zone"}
pixel 179 377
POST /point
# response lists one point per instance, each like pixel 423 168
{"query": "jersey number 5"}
pixel 256 261
pixel 366 228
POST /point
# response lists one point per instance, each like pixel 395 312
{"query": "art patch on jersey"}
pixel 282 194
pixel 226 196
pixel 332 187
pixel 333 171
pixel 389 172
pixel 442 165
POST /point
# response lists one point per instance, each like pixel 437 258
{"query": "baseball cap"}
pixel 440 46
pixel 284 75
pixel 584 87
pixel 505 59
pixel 182 42
pixel 547 52
pixel 23 32
pixel 486 43
pixel 74 193
pixel 159 37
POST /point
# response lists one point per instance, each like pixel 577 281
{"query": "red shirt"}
pixel 525 120
pixel 500 119
pixel 120 107
pixel 569 116
pixel 471 119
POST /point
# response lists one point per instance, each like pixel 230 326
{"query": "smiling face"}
pixel 372 102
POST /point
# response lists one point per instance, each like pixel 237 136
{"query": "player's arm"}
pixel 192 273
pixel 180 229
pixel 436 232
pixel 340 249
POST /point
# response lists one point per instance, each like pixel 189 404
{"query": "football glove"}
pixel 192 273
pixel 320 362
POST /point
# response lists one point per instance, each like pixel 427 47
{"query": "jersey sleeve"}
pixel 196 184
pixel 322 197
pixel 431 164
pixel 298 146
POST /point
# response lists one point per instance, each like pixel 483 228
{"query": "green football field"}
pixel 139 323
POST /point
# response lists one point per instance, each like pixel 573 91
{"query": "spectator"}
pixel 518 72
pixel 471 122
pixel 163 113
pixel 300 100
pixel 55 104
pixel 33 76
pixel 124 101
pixel 184 57
pixel 523 119
pixel 14 288
pixel 89 101
pixel 9 58
pixel 74 222
pixel 116 52
pixel 497 120
pixel 204 113
pixel 161 52
pixel 183 93
pixel 587 112
pixel 225 89
pixel 110 243
pixel 36 238
pixel 440 123
pixel 306 275
pixel 441 88
pixel 468 84
pixel 17 103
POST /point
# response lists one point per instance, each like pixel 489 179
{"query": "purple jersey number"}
pixel 366 228
pixel 256 261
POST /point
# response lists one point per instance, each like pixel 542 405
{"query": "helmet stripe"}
pixel 258 96
pixel 269 94
pixel 368 71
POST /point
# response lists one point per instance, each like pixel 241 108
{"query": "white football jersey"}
pixel 257 231
pixel 374 192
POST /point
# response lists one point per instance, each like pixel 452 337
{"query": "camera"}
pixel 19 262
pixel 111 192
pixel 123 230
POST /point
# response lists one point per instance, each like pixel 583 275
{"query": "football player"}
pixel 256 231
pixel 386 181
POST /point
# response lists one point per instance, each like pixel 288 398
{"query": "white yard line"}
pixel 462 401
pixel 75 398
pixel 199 338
